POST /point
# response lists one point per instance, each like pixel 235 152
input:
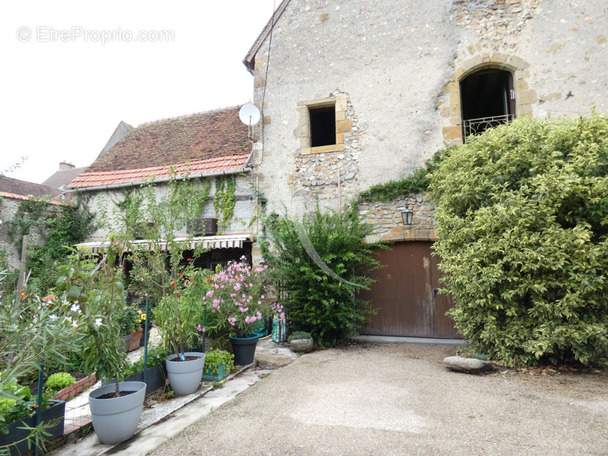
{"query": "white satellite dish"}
pixel 249 115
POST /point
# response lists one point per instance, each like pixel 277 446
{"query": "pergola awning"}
pixel 224 241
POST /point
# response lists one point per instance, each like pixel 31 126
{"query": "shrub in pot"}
pixel 300 341
pixel 19 432
pixel 238 304
pixel 218 364
pixel 179 317
pixel 98 291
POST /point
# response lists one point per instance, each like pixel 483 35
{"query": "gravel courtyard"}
pixel 401 400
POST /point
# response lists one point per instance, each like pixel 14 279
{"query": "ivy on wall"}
pixel 59 226
pixel 223 201
pixel 417 182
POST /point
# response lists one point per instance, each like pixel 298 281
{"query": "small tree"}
pixel 522 214
pixel 321 264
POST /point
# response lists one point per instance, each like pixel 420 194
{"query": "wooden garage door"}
pixel 405 294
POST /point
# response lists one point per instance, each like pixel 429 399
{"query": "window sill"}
pixel 323 149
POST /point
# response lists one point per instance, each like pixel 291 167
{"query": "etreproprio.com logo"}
pixel 47 34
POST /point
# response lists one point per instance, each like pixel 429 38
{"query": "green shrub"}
pixel 58 381
pixel 321 263
pixel 215 358
pixel 522 213
pixel 298 335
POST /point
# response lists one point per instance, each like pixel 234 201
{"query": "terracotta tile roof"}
pixel 208 142
pixel 11 186
pixel 27 198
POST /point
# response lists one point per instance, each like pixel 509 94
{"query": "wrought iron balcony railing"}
pixel 477 126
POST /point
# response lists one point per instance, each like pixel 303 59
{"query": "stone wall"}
pixel 10 242
pixel 398 65
pixel 108 217
pixel 388 222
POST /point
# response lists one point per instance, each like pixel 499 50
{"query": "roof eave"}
pixel 249 60
pixel 245 169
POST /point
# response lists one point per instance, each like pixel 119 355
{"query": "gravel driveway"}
pixel 401 400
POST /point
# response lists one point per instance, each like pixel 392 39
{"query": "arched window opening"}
pixel 487 100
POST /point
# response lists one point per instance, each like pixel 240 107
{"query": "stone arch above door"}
pixel 449 99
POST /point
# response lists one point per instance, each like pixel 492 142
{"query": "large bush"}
pixel 321 262
pixel 523 222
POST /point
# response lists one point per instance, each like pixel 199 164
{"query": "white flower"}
pixel 75 308
pixel 98 322
pixel 53 317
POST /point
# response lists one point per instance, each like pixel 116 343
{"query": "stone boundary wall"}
pixel 388 223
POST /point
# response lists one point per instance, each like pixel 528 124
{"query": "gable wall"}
pixel 396 65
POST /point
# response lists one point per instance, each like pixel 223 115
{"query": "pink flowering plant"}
pixel 236 299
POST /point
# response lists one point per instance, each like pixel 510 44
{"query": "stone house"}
pixel 210 148
pixel 357 93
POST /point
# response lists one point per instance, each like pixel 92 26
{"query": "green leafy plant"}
pixel 299 335
pixel 216 358
pixel 417 182
pixel 130 319
pixel 522 213
pixel 97 294
pixel 58 381
pixel 321 264
pixel 156 357
pixel 180 315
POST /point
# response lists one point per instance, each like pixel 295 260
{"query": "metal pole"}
pixel 146 326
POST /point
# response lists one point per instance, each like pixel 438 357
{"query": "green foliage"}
pixel 321 302
pixel 156 356
pixel 223 201
pixel 417 182
pixel 299 335
pixel 180 315
pixel 215 358
pixel 130 319
pixel 522 214
pixel 96 292
pixel 69 226
pixel 59 380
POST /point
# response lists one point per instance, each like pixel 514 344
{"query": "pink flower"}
pixel 231 320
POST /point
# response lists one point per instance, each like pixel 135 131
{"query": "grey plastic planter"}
pixel 115 420
pixel 185 376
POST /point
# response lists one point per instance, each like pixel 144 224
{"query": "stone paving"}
pixel 162 420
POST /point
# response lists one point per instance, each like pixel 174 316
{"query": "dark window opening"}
pixel 322 126
pixel 487 100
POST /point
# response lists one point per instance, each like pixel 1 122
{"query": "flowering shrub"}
pixel 236 299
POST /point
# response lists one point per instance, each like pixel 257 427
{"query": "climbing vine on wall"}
pixel 417 182
pixel 223 201
pixel 59 226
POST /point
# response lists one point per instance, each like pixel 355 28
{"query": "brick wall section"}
pixel 75 389
pixel 388 223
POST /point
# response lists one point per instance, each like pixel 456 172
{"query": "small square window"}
pixel 322 126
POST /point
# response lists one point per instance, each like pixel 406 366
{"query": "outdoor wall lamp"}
pixel 407 214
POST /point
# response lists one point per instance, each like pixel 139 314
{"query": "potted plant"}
pixel 97 290
pixel 218 364
pixel 18 419
pixel 300 341
pixel 33 330
pixel 237 302
pixel 156 374
pixel 179 317
pixel 130 327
